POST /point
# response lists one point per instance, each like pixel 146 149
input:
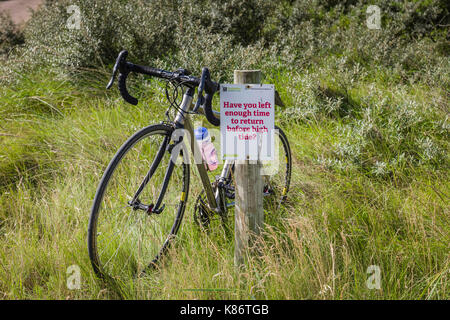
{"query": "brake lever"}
pixel 117 66
pixel 201 99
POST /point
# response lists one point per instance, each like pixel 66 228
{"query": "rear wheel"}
pixel 277 173
pixel 276 182
pixel 125 234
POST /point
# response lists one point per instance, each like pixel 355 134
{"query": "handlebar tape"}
pixel 123 89
pixel 208 110
pixel 145 70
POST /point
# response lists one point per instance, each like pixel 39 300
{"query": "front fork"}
pixel 135 203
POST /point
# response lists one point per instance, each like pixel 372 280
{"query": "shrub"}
pixel 325 46
pixel 10 35
pixel 143 27
pixel 389 135
pixel 286 34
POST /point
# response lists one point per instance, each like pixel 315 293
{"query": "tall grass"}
pixel 368 131
pixel 335 225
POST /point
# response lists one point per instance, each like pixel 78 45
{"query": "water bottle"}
pixel 209 153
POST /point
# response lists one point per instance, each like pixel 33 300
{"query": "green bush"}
pixel 284 34
pixel 142 27
pixel 327 42
pixel 10 35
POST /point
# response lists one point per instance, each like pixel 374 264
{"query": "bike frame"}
pixel 215 201
pixel 183 121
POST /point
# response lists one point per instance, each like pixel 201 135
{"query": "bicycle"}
pixel 132 221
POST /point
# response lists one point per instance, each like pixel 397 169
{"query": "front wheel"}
pixel 127 233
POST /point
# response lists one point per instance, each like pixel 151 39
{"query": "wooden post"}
pixel 249 213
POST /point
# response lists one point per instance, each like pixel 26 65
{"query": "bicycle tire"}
pixel 135 264
pixel 287 162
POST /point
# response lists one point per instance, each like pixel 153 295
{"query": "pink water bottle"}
pixel 209 153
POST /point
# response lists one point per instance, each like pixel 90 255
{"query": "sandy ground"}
pixel 19 9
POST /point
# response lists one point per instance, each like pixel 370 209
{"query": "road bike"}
pixel 141 199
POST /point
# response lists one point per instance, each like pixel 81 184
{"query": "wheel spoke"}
pixel 124 239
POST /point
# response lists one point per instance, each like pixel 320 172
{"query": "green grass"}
pixel 58 135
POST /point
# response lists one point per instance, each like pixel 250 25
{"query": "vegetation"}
pixel 366 115
pixel 10 36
